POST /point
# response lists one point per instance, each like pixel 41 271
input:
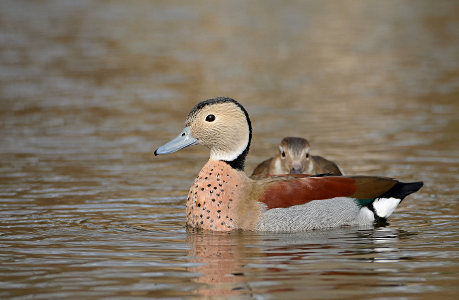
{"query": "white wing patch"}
pixel 384 207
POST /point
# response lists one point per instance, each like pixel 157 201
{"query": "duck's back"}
pixel 262 169
pixel 323 165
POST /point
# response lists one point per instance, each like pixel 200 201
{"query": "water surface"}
pixel 89 88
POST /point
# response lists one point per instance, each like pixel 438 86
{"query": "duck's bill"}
pixel 184 139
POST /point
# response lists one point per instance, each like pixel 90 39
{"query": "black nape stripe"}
pixel 239 162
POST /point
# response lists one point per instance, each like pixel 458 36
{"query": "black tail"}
pixel 401 189
pixel 382 209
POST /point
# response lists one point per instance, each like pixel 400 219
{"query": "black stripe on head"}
pixel 239 162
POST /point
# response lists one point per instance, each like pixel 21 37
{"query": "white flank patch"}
pixel 384 207
pixel 365 216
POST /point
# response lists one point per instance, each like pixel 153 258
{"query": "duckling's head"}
pixel 294 155
pixel 222 125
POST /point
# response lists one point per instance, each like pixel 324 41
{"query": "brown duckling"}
pixel 294 158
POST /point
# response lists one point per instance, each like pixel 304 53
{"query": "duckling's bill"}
pixel 184 139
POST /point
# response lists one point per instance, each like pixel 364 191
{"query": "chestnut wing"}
pixel 286 191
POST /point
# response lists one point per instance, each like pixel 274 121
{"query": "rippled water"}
pixel 89 88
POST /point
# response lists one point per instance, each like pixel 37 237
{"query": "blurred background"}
pixel 88 89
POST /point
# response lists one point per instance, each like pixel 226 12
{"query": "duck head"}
pixel 222 125
pixel 294 155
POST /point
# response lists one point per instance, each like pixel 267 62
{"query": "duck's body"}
pixel 293 157
pixel 224 198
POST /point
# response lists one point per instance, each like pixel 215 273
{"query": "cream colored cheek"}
pixel 278 167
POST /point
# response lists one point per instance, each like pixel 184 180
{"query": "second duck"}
pixel 294 157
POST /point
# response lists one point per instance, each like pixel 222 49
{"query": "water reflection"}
pixel 219 257
pixel 228 264
pixel 88 88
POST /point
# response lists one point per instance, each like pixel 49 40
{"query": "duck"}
pixel 224 198
pixel 294 157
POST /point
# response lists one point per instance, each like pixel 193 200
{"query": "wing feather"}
pixel 286 191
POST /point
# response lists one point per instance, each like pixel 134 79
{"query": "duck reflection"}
pixel 217 258
pixel 384 244
pixel 228 263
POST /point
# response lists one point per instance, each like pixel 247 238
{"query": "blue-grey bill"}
pixel 184 139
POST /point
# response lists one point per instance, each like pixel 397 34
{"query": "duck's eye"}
pixel 283 154
pixel 210 118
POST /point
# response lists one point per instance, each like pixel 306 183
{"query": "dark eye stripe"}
pixel 210 118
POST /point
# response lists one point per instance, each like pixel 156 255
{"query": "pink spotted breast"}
pixel 213 198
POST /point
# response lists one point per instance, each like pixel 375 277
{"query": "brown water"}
pixel 89 88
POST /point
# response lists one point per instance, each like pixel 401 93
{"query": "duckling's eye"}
pixel 307 155
pixel 210 118
pixel 283 154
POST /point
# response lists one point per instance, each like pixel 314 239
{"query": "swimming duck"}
pixel 224 198
pixel 293 157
